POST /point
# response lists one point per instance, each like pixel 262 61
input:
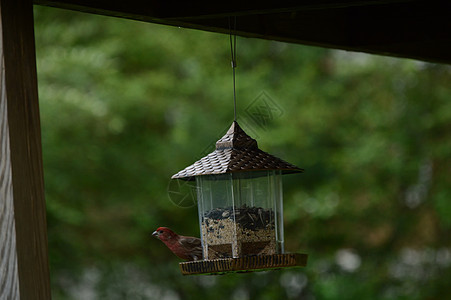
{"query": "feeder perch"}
pixel 240 202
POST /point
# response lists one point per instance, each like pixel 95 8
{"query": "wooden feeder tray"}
pixel 244 264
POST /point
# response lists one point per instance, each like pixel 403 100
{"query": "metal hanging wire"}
pixel 233 53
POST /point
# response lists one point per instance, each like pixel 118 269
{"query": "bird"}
pixel 186 247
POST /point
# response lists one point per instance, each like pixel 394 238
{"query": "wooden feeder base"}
pixel 243 264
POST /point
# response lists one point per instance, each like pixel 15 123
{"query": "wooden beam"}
pixel 22 185
pixel 202 8
pixel 416 29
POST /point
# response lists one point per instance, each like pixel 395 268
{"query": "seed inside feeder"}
pixel 238 232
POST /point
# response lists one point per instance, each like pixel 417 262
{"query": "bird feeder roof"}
pixel 236 152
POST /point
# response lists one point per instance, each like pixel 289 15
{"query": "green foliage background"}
pixel 124 105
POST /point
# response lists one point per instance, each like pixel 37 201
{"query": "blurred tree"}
pixel 124 105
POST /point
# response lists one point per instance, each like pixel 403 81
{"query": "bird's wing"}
pixel 194 245
pixel 190 241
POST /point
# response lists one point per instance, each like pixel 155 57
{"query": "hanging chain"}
pixel 233 52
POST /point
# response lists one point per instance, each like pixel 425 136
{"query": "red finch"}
pixel 185 247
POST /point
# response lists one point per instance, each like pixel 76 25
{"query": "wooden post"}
pixel 24 270
pixel 9 283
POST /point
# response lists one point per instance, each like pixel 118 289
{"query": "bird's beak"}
pixel 155 233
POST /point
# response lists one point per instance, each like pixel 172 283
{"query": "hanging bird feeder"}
pixel 240 202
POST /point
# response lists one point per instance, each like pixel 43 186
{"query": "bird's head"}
pixel 164 233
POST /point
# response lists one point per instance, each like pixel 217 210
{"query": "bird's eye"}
pixel 161 231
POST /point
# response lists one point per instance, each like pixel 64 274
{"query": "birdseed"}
pixel 229 232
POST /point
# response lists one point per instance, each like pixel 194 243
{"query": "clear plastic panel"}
pixel 240 214
pixel 217 223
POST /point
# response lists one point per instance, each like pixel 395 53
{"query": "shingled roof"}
pixel 236 152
